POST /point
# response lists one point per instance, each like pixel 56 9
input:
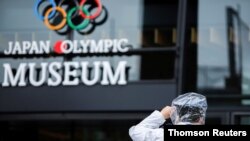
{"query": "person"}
pixel 186 109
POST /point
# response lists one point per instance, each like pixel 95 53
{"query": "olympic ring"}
pixel 59 26
pixel 71 17
pixel 94 22
pixel 83 25
pixel 98 12
pixel 37 4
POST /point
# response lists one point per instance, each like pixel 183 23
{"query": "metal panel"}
pixel 133 97
pixel 181 28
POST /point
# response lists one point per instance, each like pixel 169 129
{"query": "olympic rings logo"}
pixel 79 10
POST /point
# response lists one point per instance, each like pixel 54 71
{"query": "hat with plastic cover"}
pixel 189 108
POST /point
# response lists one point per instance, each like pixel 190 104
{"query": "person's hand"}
pixel 166 111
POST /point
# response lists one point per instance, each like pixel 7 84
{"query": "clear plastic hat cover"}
pixel 189 108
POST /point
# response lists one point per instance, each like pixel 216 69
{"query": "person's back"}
pixel 189 108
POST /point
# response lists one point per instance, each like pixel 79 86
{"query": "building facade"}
pixel 90 74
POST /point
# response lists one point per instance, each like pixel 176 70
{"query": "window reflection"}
pixel 223 46
pixel 141 22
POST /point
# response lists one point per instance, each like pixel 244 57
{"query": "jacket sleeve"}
pixel 148 129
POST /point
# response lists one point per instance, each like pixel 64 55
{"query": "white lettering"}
pixel 174 132
pixel 10 79
pixel 26 46
pixel 33 76
pixel 96 47
pixel 44 47
pixel 85 73
pixel 70 73
pixel 52 70
pixel 17 49
pixel 76 49
pixel 67 73
pixel 217 132
pixel 34 49
pixel 85 44
pixel 121 45
pixel 67 46
pixel 107 45
pixel 8 52
pixel 113 78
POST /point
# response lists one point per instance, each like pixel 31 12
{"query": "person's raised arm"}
pixel 148 129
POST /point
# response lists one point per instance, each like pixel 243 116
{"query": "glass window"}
pixel 245 120
pixel 241 118
pixel 223 46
